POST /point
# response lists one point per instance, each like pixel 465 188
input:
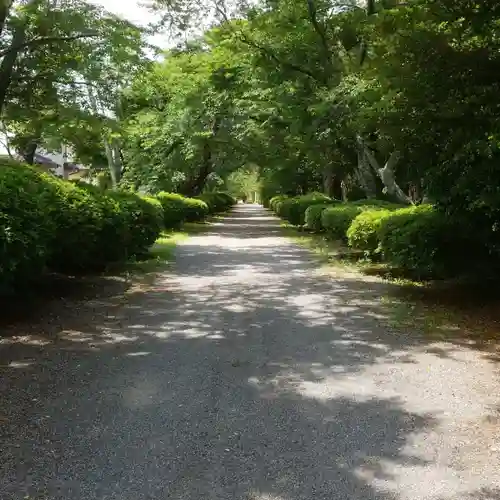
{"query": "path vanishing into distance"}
pixel 245 373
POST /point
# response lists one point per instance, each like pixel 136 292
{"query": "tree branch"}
pixel 313 16
pixel 46 40
pixel 265 51
pixel 386 173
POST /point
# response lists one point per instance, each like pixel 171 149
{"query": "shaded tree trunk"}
pixel 9 62
pixel 328 180
pixel 195 186
pixel 386 173
pixel 364 176
pixel 4 12
pixel 28 152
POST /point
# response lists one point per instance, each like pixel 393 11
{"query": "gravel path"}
pixel 245 374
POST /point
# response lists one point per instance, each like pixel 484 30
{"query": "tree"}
pixel 75 57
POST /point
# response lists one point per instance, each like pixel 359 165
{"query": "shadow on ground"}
pixel 243 375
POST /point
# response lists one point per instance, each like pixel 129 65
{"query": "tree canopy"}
pixel 388 99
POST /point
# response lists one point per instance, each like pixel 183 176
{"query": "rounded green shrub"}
pixel 312 216
pixel 26 228
pixel 196 210
pixel 217 201
pixel 144 217
pixel 46 222
pixel 373 202
pixel 96 227
pixel 337 219
pixel 273 202
pixel 363 233
pixel 293 209
pixel 79 221
pixel 174 209
pixel 424 243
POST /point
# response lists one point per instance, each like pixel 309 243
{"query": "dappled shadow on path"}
pixel 243 375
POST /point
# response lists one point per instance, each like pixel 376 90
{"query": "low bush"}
pixel 217 201
pixel 144 218
pixel 197 210
pixel 97 227
pixel 178 209
pixel 48 223
pixel 337 219
pixel 26 232
pixel 279 204
pixel 294 209
pixel 363 233
pixel 313 215
pixel 80 230
pixel 373 202
pixel 424 243
pixel 175 209
pixel 273 202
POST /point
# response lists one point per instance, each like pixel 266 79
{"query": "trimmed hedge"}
pixel 363 233
pixel 174 209
pixel 178 209
pixel 337 219
pixel 273 202
pixel 217 201
pixel 425 243
pixel 313 215
pixel 197 210
pixel 48 223
pixel 145 215
pixel 294 209
pixel 26 230
pixel 373 202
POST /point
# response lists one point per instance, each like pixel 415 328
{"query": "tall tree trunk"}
pixel 205 170
pixel 9 61
pixel 4 12
pixel 328 180
pixel 114 161
pixel 386 173
pixel 117 162
pixel 343 187
pixel 195 186
pixel 364 176
pixel 28 152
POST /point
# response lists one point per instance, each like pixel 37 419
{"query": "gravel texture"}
pixel 245 374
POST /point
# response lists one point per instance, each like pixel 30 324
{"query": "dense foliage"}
pixel 217 201
pixel 388 100
pixel 47 223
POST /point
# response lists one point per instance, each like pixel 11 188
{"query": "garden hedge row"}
pixel 217 201
pixel 178 209
pixel 420 241
pixel 293 209
pixel 48 223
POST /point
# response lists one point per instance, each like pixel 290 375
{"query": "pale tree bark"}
pixel 111 147
pixel 364 176
pixel 386 173
pixel 5 6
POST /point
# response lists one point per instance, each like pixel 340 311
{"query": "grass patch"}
pixel 329 253
pixel 335 253
pixel 162 252
pixel 461 312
